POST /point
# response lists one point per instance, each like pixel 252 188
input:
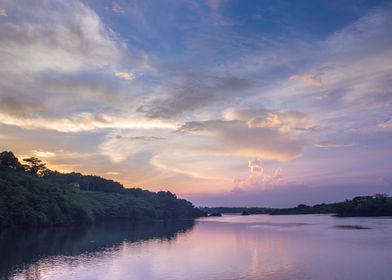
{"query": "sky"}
pixel 223 102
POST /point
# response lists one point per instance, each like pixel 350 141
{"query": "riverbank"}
pixel 360 206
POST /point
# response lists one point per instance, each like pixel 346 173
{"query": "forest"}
pixel 33 195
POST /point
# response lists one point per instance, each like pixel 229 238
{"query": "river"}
pixel 320 247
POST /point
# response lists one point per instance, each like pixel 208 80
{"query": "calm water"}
pixel 231 247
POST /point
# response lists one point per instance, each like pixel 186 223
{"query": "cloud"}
pixel 84 122
pixel 191 92
pixel 272 120
pixel 285 121
pixel 258 178
pixel 57 159
pixel 117 8
pixel 223 143
pixel 381 127
pixel 350 64
pixel 385 125
pixel 20 105
pixel 362 32
pixel 128 76
pixel 216 13
pixel 3 12
pixel 206 126
pixel 139 138
pixel 119 147
pixel 42 94
pixel 43 154
pixel 235 138
pixel 71 37
pixel 320 97
pixel 55 51
pixel 312 80
pixel 255 166
pixel 183 162
pixel 328 144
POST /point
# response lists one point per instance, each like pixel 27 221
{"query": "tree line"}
pixel 32 194
pixel 360 206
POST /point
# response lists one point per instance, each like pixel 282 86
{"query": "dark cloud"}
pixel 20 105
pixel 195 126
pixel 193 92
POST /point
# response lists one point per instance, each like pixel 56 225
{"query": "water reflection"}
pixel 318 247
pixel 22 249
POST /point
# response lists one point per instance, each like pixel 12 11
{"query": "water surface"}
pixel 229 247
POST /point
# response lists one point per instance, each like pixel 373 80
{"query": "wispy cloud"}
pixel 312 80
pixel 43 154
pixel 117 8
pixel 329 144
pixel 140 138
pixel 385 125
pixel 3 12
pixel 320 97
pixel 84 122
pixel 119 147
pixel 128 76
pixel 275 145
pixel 216 7
pixel 380 127
pixel 285 121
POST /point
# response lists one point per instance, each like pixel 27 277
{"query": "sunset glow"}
pixel 256 103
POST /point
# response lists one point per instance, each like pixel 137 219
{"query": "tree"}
pixel 381 197
pixel 34 166
pixel 8 161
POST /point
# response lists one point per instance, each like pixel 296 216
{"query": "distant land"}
pixel 360 206
pixel 33 195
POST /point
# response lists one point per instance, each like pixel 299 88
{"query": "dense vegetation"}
pixel 377 205
pixel 305 209
pixel 237 210
pixel 31 194
pixel 361 206
pixel 300 209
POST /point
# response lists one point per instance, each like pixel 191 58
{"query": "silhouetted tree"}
pixel 35 166
pixel 8 161
pixel 381 197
